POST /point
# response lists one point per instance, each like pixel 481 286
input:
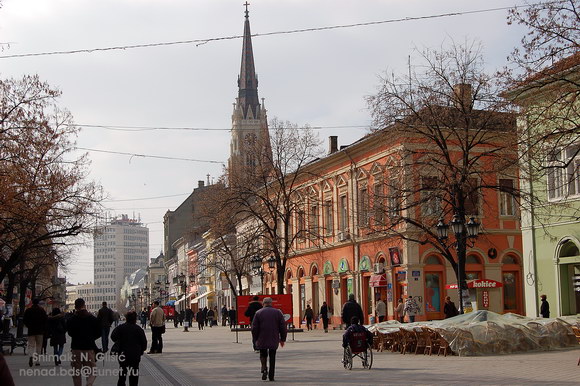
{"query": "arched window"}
pixel 314 271
pixel 473 267
pixel 509 259
pixel 300 273
pixel 569 249
pixel 472 259
pixel 432 260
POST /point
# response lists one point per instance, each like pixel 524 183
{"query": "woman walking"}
pixel 57 333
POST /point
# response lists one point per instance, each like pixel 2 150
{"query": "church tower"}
pixel 250 139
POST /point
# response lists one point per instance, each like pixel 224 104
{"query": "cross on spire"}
pixel 247 12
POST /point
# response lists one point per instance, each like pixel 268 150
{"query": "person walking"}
pixel 253 307
pixel 349 309
pixel 411 309
pixel 449 308
pixel 200 319
pixel 308 315
pixel 105 317
pixel 544 307
pixel 84 329
pixel 210 316
pixel 157 323
pixel 381 310
pixel 232 317
pixel 400 310
pixel 57 333
pixel 35 320
pixel 224 312
pixel 143 318
pixel 188 319
pixel 205 315
pixel 132 344
pixel 268 331
pixel 324 314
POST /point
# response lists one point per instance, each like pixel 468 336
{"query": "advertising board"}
pixel 281 302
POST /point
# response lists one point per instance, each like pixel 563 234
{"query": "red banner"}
pixel 281 302
pixel 169 311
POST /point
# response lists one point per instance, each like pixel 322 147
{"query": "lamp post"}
pixel 257 267
pixel 465 235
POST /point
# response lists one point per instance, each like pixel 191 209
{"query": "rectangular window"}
pixel 343 214
pixel 363 205
pixel 472 199
pixel 394 198
pixel 573 170
pixel 313 220
pixel 430 201
pixel 328 226
pixel 378 204
pixel 506 197
pixel 301 224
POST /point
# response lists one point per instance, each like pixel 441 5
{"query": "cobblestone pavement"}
pixel 211 356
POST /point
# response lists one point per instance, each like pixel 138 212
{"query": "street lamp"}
pixel 465 235
pixel 257 267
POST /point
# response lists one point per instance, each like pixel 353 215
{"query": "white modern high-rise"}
pixel 120 247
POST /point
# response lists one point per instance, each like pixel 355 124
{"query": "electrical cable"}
pixel 199 42
pixel 152 128
pixel 148 155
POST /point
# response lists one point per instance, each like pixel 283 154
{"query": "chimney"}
pixel 332 144
pixel 200 184
pixel 462 95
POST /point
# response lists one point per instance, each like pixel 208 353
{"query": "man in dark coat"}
pixel 132 344
pixel 224 312
pixel 449 309
pixel 268 330
pixel 232 317
pixel 84 329
pixel 105 318
pixel 188 319
pixel 349 309
pixel 545 307
pixel 200 319
pixel 253 307
pixel 35 319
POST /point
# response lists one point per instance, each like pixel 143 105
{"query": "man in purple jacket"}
pixel 268 330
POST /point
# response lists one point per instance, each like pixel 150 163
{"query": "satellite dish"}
pixel 286 317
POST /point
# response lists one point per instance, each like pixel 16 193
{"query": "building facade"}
pixel 120 248
pixel 345 250
pixel 551 221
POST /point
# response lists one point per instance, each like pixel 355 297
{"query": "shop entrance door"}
pixel 511 283
pixel 433 295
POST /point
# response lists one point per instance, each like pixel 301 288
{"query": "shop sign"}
pixel 395 256
pixel 485 299
pixel 416 273
pixel 478 283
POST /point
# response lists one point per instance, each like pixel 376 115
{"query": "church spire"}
pixel 248 80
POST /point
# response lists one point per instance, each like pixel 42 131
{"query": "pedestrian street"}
pixel 212 357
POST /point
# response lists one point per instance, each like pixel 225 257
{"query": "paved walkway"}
pixel 211 356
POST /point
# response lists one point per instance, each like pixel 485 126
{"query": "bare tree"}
pixel 456 144
pixel 547 66
pixel 265 191
pixel 45 196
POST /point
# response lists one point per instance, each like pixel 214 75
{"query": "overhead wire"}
pixel 153 128
pixel 148 155
pixel 199 42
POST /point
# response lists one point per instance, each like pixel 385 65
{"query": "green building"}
pixel 549 169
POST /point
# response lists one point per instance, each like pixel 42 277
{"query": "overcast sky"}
pixel 317 78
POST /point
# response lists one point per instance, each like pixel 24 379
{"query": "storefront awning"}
pixel 181 298
pixel 378 281
pixel 195 300
pixel 478 283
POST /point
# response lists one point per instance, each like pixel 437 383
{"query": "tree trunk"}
pixel 21 306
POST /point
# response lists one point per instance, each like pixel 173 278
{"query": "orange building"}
pixel 344 251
